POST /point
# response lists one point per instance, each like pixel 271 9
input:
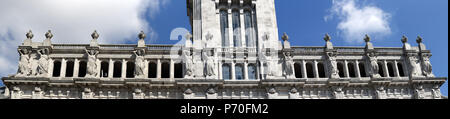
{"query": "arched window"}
pixel 152 70
pixel 178 70
pixel 82 69
pixel 117 69
pixel 391 69
pixel 381 69
pixel 104 69
pixel 362 70
pixel 239 72
pixel 341 69
pixel 400 69
pixel 224 28
pixel 351 70
pixel 130 69
pixel 226 72
pixel 252 72
pixel 69 68
pixel 237 28
pixel 57 69
pixel 321 69
pixel 298 70
pixel 310 70
pixel 165 70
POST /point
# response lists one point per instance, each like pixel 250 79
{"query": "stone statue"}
pixel 92 63
pixel 373 68
pixel 413 61
pixel 24 63
pixel 427 68
pixel 187 58
pixel 209 63
pixel 140 63
pixel 268 67
pixel 43 62
pixel 288 65
pixel 332 65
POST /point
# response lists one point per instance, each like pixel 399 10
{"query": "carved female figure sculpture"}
pixel 140 63
pixel 209 62
pixel 427 68
pixel 187 58
pixel 373 65
pixel 92 63
pixel 24 64
pixel 43 62
pixel 413 64
pixel 288 64
pixel 332 65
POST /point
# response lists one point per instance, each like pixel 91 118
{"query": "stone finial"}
pixel 95 35
pixel 49 34
pixel 367 38
pixel 142 35
pixel 30 35
pixel 419 39
pixel 327 38
pixel 404 39
pixel 285 37
pixel 188 36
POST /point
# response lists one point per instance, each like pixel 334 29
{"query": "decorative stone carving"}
pixel 373 65
pixel 37 93
pixel 94 42
pixel 332 65
pixel 413 64
pixel 137 94
pixel 294 94
pixel 427 68
pixel 141 42
pixel 338 93
pixel 140 63
pixel 87 94
pixel 24 63
pixel 436 92
pixel 28 41
pixel 380 92
pixel 419 92
pixel 188 94
pixel 272 93
pixel 16 93
pixel 49 36
pixel 208 58
pixel 43 62
pixel 288 63
pixel 92 63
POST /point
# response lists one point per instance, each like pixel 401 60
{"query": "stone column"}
pixel 346 72
pixel 233 75
pixel 76 67
pixel 386 70
pixel 316 70
pixel 230 28
pixel 147 68
pixel 111 69
pixel 63 68
pixel 158 69
pixel 358 71
pixel 220 70
pixel 124 68
pixel 397 73
pixel 246 71
pixel 304 72
pixel 242 21
pixel 172 70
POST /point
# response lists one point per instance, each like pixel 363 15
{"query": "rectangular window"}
pixel 236 28
pixel 249 29
pixel 224 28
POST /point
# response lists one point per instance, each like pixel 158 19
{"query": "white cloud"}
pixel 357 20
pixel 71 21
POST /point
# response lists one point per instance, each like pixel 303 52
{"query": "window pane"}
pixel 239 72
pixel 224 27
pixel 249 29
pixel 226 72
pixel 236 28
pixel 252 72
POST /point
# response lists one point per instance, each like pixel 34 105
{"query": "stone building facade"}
pixel 234 52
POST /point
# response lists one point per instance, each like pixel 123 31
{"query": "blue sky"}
pixel 306 21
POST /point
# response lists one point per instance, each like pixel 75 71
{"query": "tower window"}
pixel 351 70
pixel 310 70
pixel 69 68
pixel 117 70
pixel 252 72
pixel 298 70
pixel 391 69
pixel 165 70
pixel 178 70
pixel 362 70
pixel 226 75
pixel 130 69
pixel 82 69
pixel 381 69
pixel 249 31
pixel 239 72
pixel 152 69
pixel 104 69
pixel 341 70
pixel 237 29
pixel 400 69
pixel 57 69
pixel 224 28
pixel 321 69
